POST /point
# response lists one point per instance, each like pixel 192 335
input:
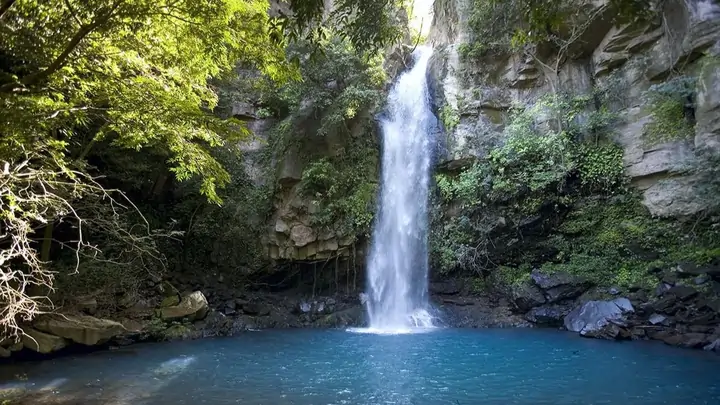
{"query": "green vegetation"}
pixel 116 144
pixel 501 26
pixel 551 157
pixel 615 242
pixel 449 117
pixel 671 105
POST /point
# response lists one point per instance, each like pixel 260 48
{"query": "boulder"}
pixel 560 286
pixel 42 342
pixel 83 329
pixel 255 308
pixel 667 305
pixel 590 318
pixel 302 235
pixel 683 292
pixel 550 315
pixel 526 296
pixel 193 306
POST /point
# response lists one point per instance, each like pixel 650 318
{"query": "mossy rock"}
pixel 170 301
pixel 177 332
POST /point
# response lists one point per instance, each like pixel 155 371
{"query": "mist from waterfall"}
pixel 398 263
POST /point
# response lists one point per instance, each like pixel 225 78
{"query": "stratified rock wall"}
pixel 685 39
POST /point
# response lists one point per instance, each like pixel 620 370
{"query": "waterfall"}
pixel 398 263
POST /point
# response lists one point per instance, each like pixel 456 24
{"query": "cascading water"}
pixel 398 263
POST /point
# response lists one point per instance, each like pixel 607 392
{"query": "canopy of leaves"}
pixel 368 25
pixel 133 71
pixel 501 25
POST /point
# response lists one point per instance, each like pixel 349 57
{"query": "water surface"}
pixel 320 367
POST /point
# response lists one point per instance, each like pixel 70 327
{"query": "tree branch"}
pixel 59 62
pixel 5 6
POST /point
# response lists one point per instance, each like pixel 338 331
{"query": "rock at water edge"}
pixel 83 329
pixel 590 318
pixel 193 306
pixel 42 342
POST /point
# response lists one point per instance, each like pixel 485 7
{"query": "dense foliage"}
pixel 499 26
pixel 341 91
pixel 551 156
pixel 104 104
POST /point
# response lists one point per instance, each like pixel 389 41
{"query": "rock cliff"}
pixel 681 40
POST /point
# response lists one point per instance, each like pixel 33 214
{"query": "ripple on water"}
pixel 311 367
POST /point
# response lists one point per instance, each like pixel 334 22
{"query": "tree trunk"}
pixel 47 242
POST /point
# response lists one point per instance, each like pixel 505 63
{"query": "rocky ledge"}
pixel 682 310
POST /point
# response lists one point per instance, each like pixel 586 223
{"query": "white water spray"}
pixel 398 263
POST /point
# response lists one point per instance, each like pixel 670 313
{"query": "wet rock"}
pixel 83 329
pixel 613 291
pixel 591 318
pixel 460 302
pixel 445 288
pixel 343 319
pixel 682 292
pixel 42 342
pixel 526 296
pixel 609 331
pixel 193 306
pixel 656 319
pixel 713 346
pixel 551 315
pixel 256 308
pixel 638 333
pixel 687 340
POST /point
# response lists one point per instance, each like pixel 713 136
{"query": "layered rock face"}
pixel 682 40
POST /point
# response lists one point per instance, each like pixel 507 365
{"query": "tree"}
pixel 125 74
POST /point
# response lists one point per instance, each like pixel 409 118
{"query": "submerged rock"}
pixel 593 317
pixel 83 329
pixel 193 306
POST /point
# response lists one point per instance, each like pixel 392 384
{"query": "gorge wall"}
pixel 681 40
pixel 574 176
pixel 579 168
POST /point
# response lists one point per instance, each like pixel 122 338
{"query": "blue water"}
pixel 318 367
